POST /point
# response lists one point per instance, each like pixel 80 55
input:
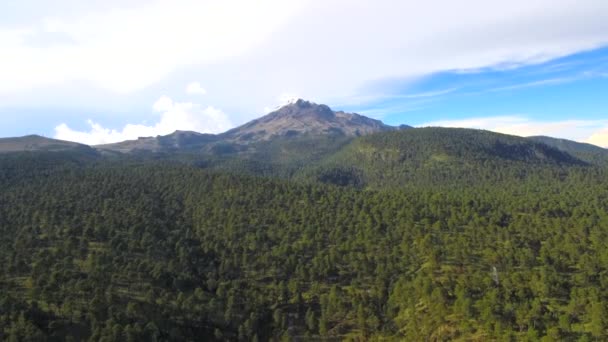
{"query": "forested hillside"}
pixel 587 152
pixel 441 157
pixel 129 250
pixel 433 157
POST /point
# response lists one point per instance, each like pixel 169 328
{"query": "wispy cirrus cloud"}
pixel 538 83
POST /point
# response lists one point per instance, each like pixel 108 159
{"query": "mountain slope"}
pixel 304 140
pixel 438 156
pixel 38 143
pixel 304 118
pixel 586 152
pixel 301 119
pixel 181 141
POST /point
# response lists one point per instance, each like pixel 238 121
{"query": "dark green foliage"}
pixel 587 152
pixel 341 177
pixel 444 156
pixel 424 239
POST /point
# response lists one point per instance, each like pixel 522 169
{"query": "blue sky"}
pixel 561 88
pixel 103 72
pixel 563 97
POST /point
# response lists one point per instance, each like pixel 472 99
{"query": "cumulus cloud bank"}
pixel 126 48
pixel 174 116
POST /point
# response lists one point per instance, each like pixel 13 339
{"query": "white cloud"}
pixel 280 101
pixel 126 49
pixel 163 104
pixel 194 88
pixel 333 49
pixel 323 49
pixel 590 131
pixel 174 116
pixel 250 51
pixel 287 98
pixel 599 138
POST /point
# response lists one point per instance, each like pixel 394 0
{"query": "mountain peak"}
pixel 301 117
pixel 302 108
pixel 298 102
pixel 303 104
pixel 297 118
